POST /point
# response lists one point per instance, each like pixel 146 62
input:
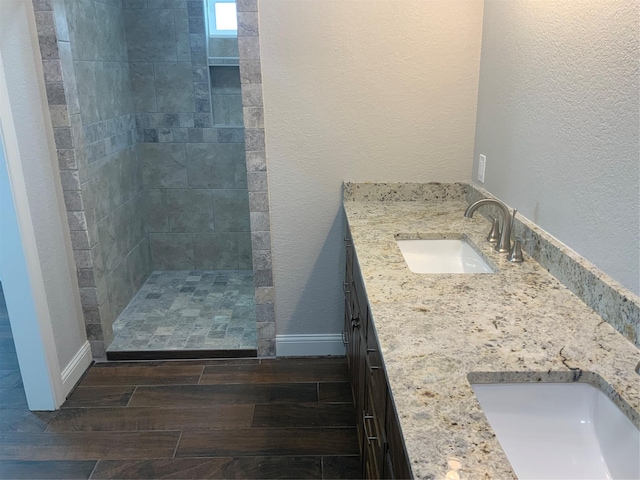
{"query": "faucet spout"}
pixel 504 244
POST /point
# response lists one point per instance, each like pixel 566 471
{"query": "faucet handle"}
pixel 494 234
pixel 515 255
pixel 512 220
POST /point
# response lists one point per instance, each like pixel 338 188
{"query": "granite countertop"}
pixel 518 324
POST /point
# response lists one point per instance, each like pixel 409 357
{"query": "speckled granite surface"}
pixel 403 192
pixel 616 304
pixel 437 331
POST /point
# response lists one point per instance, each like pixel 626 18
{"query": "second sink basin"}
pixel 561 430
pixel 442 256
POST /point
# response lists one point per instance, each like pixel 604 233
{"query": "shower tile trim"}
pixel 256 158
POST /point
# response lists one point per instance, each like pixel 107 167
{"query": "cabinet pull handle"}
pixel 345 286
pixel 372 368
pixel 344 338
pixel 366 417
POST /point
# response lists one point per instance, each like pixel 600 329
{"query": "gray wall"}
pixel 346 97
pixel 558 121
pixel 193 170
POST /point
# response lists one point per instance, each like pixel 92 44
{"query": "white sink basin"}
pixel 561 431
pixel 442 256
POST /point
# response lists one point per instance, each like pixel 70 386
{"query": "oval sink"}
pixel 561 430
pixel 442 256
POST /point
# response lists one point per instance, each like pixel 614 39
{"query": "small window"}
pixel 223 21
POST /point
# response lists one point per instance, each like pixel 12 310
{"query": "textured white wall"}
pixel 558 120
pixel 376 90
pixel 22 69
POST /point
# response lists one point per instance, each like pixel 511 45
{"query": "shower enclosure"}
pixel 158 196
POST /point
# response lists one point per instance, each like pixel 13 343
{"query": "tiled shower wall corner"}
pixel 253 113
pixel 84 54
pixel 95 141
pixel 193 170
pixel 112 190
pixel 97 154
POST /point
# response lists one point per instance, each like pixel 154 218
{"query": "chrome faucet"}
pixel 504 244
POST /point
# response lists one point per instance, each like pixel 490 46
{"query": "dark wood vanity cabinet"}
pixel 381 445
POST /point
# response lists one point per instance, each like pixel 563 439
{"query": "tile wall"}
pixel 108 128
pixel 84 54
pixel 225 48
pixel 193 166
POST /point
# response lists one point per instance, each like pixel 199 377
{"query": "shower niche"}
pixel 223 61
pixel 226 98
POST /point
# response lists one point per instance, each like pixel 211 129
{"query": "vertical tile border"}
pixel 69 136
pixel 257 177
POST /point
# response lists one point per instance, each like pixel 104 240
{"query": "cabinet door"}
pixel 377 396
pixel 381 445
pixel 375 373
pixel 374 438
pixel 348 244
pixel 397 453
pixel 350 332
pixel 387 466
pixel 347 333
pixel 350 289
pixel 361 303
pixel 359 386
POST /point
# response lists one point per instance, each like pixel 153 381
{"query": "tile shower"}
pixel 156 179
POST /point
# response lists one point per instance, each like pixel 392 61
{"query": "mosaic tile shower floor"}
pixel 190 310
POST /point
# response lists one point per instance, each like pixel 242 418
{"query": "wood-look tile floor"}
pixel 244 418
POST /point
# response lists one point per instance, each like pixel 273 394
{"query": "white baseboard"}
pixel 309 345
pixel 76 368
